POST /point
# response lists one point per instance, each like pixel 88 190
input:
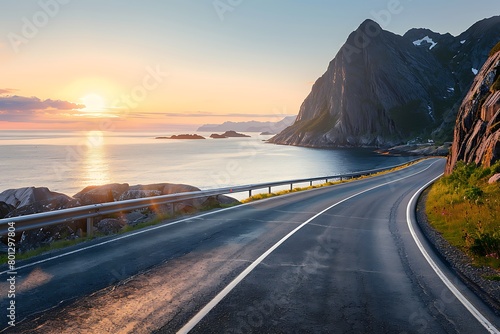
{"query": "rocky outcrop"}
pixel 234 134
pixel 109 226
pixel 217 136
pixel 101 194
pixel 183 136
pixel 477 129
pixel 29 200
pixel 23 201
pixel 494 179
pixel 5 209
pixel 228 134
pixel 418 150
pixel 383 89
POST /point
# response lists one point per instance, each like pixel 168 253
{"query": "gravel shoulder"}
pixel 459 262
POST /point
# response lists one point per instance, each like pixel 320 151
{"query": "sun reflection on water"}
pixel 95 165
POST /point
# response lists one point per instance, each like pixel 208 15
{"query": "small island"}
pixel 217 136
pixel 228 134
pixel 234 134
pixel 183 136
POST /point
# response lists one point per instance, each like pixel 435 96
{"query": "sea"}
pixel 67 162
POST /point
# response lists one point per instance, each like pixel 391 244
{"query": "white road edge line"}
pixel 468 305
pixel 216 300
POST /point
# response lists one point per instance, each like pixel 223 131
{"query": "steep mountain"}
pixel 477 129
pixel 250 126
pixel 382 89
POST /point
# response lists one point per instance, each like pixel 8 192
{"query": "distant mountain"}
pixel 477 130
pixel 251 126
pixel 384 89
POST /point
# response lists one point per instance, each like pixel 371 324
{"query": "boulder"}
pixel 136 217
pixel 109 226
pixel 133 194
pixel 33 239
pixel 101 194
pixel 33 200
pixel 5 209
pixel 494 179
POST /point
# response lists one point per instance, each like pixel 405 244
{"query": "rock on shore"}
pixel 29 200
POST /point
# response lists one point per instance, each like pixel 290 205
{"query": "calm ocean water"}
pixel 69 161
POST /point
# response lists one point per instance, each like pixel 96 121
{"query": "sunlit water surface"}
pixel 69 161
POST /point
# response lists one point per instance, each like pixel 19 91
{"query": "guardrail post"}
pixel 269 189
pixel 291 186
pixel 311 183
pixel 90 226
pixel 250 193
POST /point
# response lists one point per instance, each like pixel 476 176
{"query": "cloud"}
pixel 4 91
pixel 20 109
pixel 21 103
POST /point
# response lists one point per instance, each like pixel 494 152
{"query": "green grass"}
pixel 55 245
pixel 326 184
pixel 284 192
pixel 465 209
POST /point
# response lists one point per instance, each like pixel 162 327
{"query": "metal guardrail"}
pixel 89 212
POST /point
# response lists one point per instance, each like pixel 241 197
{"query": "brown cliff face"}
pixel 477 130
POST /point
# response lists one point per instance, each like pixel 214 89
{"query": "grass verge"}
pixel 465 209
pixel 326 184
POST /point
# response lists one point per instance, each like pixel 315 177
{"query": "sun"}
pixel 93 103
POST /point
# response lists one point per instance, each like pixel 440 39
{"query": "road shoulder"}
pixel 460 263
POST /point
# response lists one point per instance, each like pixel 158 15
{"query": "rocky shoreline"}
pixel 460 263
pixel 417 150
pixel 29 200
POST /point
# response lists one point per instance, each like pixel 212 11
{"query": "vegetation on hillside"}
pixel 495 49
pixel 465 209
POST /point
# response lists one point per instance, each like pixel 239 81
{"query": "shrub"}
pixel 486 244
pixel 473 193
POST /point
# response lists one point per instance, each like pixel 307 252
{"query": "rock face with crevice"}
pixel 477 130
pixel 383 89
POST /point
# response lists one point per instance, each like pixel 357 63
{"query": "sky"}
pixel 176 64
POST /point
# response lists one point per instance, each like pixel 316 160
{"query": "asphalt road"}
pixel 340 259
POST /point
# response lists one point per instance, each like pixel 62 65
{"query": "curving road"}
pixel 342 259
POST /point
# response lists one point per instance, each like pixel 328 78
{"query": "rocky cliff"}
pixel 477 129
pixel 383 89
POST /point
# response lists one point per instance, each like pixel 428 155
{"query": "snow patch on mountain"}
pixel 426 39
